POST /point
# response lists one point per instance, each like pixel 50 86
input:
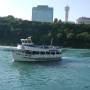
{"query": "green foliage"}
pixel 66 34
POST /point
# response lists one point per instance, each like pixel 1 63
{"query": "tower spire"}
pixel 66 12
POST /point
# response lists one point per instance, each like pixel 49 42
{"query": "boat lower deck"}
pixel 20 55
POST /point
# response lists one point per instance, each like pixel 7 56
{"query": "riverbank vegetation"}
pixel 63 34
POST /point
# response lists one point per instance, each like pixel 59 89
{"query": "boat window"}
pixel 28 52
pixel 57 52
pixel 53 53
pixel 42 52
pixel 47 52
pixel 29 41
pixel 22 51
pixel 35 52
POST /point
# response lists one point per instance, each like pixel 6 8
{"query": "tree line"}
pixel 64 34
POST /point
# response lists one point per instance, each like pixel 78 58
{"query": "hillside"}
pixel 65 34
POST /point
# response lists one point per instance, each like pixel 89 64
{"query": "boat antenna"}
pixel 51 42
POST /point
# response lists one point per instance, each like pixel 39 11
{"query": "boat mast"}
pixel 51 42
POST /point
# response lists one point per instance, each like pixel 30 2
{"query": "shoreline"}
pixel 14 45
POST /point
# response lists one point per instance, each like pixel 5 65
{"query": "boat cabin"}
pixel 27 41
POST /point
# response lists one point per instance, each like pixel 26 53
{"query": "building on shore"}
pixel 42 13
pixel 83 20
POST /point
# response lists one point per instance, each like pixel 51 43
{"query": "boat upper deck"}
pixel 27 44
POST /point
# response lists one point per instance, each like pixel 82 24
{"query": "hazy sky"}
pixel 23 8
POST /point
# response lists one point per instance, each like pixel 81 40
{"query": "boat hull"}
pixel 18 56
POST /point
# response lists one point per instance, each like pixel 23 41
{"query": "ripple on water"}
pixel 71 73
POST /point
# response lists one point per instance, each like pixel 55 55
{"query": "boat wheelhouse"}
pixel 28 51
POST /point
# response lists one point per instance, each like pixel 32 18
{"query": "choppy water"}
pixel 71 73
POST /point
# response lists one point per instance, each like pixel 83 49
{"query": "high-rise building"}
pixel 83 20
pixel 42 13
pixel 66 13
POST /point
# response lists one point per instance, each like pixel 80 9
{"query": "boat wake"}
pixel 7 48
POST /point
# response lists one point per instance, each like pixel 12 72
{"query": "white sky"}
pixel 23 8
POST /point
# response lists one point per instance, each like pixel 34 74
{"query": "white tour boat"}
pixel 28 51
